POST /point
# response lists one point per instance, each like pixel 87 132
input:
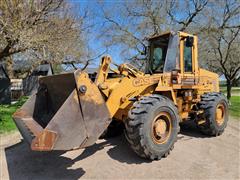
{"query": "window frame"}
pixel 152 47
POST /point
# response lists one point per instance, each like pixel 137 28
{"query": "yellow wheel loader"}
pixel 71 110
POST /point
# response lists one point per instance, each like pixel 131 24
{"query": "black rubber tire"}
pixel 208 104
pixel 139 123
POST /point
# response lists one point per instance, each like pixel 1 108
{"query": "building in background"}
pixel 16 89
pixel 30 83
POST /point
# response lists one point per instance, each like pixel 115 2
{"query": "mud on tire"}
pixel 139 126
pixel 211 103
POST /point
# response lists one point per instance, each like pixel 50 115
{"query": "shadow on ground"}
pixel 190 129
pixel 26 164
pixel 123 153
pixel 119 150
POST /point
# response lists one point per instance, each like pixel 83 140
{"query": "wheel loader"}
pixel 71 111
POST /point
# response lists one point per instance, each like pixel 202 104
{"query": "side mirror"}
pixel 189 41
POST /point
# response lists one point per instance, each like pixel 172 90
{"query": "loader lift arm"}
pixel 120 91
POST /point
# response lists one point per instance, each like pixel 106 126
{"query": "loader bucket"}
pixel 67 112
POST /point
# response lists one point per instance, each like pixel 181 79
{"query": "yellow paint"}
pixel 132 83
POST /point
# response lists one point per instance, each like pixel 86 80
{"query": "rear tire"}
pixel 152 126
pixel 215 113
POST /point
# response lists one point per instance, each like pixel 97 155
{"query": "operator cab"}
pixel 163 53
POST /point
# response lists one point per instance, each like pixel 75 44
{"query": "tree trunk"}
pixel 229 88
pixel 9 67
pixel 5 52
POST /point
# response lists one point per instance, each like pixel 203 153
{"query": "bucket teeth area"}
pixel 27 126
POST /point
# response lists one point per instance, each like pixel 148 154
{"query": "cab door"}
pixel 188 59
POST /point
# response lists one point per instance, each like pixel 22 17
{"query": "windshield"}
pixel 172 57
pixel 158 59
pixel 164 54
pixel 158 52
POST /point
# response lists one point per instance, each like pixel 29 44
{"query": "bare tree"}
pixel 137 20
pixel 41 30
pixel 130 23
pixel 184 13
pixel 220 40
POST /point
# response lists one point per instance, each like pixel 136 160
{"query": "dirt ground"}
pixel 195 156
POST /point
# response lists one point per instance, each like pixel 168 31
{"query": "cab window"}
pixel 158 55
pixel 187 58
pixel 158 61
pixel 172 57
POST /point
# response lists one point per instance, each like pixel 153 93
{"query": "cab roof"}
pixel 167 33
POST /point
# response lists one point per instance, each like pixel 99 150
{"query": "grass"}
pixel 6 111
pixel 235 106
pixel 235 101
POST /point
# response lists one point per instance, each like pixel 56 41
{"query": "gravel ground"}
pixel 195 156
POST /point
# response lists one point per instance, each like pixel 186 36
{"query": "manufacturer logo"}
pixel 145 81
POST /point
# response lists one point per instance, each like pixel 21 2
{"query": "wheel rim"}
pixel 220 113
pixel 161 128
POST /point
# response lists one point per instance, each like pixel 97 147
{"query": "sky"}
pixel 95 43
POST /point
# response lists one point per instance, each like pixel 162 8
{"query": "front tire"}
pixel 215 113
pixel 152 126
